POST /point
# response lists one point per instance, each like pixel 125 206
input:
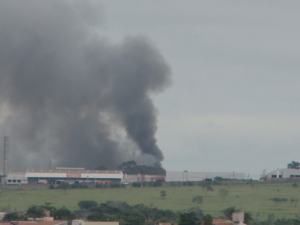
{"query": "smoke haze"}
pixel 68 94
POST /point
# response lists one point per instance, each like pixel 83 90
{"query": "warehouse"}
pixel 73 175
pixel 17 178
pixel 284 173
pixel 199 176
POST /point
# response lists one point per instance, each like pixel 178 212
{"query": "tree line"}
pixel 138 214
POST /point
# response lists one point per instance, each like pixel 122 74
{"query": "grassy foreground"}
pixel 253 198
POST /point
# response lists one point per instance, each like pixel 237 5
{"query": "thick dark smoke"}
pixel 70 95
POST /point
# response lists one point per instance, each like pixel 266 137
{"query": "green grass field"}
pixel 255 198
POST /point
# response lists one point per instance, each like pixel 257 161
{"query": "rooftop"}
pixel 75 171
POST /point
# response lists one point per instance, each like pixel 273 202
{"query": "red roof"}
pixel 217 221
pixel 55 222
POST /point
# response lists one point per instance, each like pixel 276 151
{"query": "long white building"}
pixel 173 176
pixel 70 175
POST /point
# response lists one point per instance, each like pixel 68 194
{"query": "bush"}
pixel 101 185
pixel 79 185
pixel 87 204
pixel 137 184
pixel 116 185
pixel 189 183
pixel 215 182
pixel 173 184
pixel 51 186
pixel 155 184
pixel 63 185
pixel 218 178
pixel 11 216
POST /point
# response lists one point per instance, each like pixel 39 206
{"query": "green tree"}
pixel 63 214
pixel 35 211
pixel 248 218
pixel 132 217
pixel 208 188
pixel 223 192
pixel 271 219
pixel 198 200
pixel 101 167
pixel 188 219
pixel 219 178
pixel 294 201
pixel 198 213
pixel 163 194
pixel 228 212
pixel 131 167
pixel 164 220
pixel 87 204
pixel 293 165
pixel 278 201
pixel 96 217
pixel 51 208
pixel 64 186
pixel 127 165
pixel 11 216
pixel 207 220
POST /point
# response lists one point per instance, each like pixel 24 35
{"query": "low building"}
pixel 130 178
pixel 180 176
pixel 39 222
pixel 73 175
pixel 284 173
pixel 65 174
pixel 16 178
pixel 2 214
pixel 238 218
pixel 82 222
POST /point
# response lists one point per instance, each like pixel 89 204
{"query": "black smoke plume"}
pixel 70 95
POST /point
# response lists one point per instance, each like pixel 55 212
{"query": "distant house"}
pixel 47 212
pixel 238 218
pixel 2 214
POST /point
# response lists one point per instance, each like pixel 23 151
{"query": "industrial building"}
pixel 65 174
pixel 80 175
pixel 199 176
pixel 284 173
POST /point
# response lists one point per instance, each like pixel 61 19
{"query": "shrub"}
pixel 101 185
pixel 215 182
pixel 173 184
pixel 137 184
pixel 116 185
pixel 87 204
pixel 157 184
pixel 79 185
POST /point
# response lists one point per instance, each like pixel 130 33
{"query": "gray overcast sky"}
pixel 233 105
pixel 233 102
